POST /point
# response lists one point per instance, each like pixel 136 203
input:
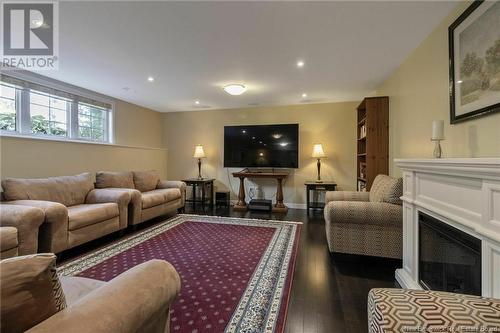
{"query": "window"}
pixel 92 122
pixel 8 107
pixel 49 114
pixel 37 110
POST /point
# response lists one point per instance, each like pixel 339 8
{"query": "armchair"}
pixel 366 223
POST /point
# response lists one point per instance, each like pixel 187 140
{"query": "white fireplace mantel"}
pixel 462 192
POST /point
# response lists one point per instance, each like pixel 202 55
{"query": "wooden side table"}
pixel 206 184
pixel 321 187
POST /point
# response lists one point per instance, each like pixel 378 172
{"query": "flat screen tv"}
pixel 261 146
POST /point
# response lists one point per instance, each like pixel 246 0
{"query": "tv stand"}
pixel 279 207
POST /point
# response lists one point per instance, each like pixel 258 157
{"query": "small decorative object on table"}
pixel 199 153
pixel 319 154
pixel 314 186
pixel 437 136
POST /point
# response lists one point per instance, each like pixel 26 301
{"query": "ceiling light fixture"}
pixel 300 63
pixel 235 89
pixel 151 79
pixel 197 102
pixel 304 95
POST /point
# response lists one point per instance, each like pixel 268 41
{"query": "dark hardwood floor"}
pixel 329 294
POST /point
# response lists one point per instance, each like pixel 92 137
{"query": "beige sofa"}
pixel 150 196
pixel 19 227
pixel 75 212
pixel 366 223
pixel 137 300
pixel 35 299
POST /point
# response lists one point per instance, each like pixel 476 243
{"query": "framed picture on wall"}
pixel 474 52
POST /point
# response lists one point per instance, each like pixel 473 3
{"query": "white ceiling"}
pixel 192 49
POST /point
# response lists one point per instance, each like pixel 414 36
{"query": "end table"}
pixel 321 187
pixel 205 184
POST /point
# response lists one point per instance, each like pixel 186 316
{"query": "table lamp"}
pixel 319 154
pixel 199 153
pixel 437 136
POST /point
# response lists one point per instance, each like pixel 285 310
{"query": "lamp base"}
pixel 438 152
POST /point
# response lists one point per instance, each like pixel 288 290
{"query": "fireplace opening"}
pixel 449 259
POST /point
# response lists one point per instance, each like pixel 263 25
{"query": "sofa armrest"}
pixel 135 301
pixel 174 184
pixel 53 234
pixel 357 212
pixel 389 309
pixel 107 195
pixel 27 221
pixel 346 196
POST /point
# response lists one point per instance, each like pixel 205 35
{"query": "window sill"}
pixel 46 138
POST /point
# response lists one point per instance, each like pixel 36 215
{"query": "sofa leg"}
pixel 180 210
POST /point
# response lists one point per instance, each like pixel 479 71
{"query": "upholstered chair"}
pixel 366 223
pixel 19 227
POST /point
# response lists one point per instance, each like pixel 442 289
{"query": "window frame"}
pixel 23 111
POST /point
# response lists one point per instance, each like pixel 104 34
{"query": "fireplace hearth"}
pixel 449 259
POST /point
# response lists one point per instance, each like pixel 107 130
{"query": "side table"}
pixel 319 187
pixel 206 184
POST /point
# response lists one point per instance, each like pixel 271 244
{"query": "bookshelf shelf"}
pixel 373 140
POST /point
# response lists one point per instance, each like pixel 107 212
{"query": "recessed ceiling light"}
pixel 300 63
pixel 283 144
pixel 304 95
pixel 151 79
pixel 197 102
pixel 244 131
pixel 235 89
pixel 277 135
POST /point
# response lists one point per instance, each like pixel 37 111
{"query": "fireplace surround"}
pixel 463 194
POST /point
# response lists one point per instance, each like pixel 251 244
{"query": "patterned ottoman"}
pixel 403 310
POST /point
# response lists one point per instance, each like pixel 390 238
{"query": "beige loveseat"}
pixel 366 223
pixel 150 196
pixel 19 227
pixel 75 212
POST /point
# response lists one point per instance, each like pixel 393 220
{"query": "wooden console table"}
pixel 279 207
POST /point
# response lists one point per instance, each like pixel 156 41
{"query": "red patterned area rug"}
pixel 236 273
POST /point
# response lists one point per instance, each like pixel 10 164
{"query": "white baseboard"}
pixel 288 204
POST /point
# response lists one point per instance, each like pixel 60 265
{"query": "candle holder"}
pixel 437 148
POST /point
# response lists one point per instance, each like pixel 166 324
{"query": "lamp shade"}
pixel 437 129
pixel 318 151
pixel 199 152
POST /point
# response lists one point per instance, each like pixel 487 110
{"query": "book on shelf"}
pixel 362 131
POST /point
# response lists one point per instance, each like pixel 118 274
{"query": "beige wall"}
pixel 418 92
pixel 138 136
pixel 333 125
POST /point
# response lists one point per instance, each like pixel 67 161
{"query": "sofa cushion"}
pixel 386 189
pixel 30 291
pixel 67 190
pixel 84 215
pixel 8 238
pixel 146 180
pixel 106 179
pixel 158 197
